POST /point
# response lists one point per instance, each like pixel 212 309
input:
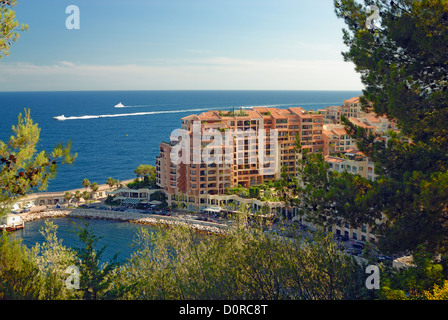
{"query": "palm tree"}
pixel 110 182
pixel 86 183
pixel 94 187
pixel 77 196
pixel 86 195
pixel 68 196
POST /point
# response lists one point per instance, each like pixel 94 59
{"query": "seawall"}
pixel 132 217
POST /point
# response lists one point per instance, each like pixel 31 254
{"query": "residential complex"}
pixel 245 135
pixel 242 147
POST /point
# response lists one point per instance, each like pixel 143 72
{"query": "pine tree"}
pixel 403 64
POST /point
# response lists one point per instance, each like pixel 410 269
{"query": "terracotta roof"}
pixel 333 159
pixel 372 118
pixel 209 115
pixel 300 112
pixel 352 100
pixel 357 122
pixel 190 117
pixel 354 151
pixel 340 131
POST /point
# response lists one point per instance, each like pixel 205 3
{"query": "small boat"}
pixel 11 222
pixel 120 105
pixel 60 118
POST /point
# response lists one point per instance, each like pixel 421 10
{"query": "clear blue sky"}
pixel 179 44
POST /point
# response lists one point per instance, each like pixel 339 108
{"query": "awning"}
pixel 130 201
pixel 216 210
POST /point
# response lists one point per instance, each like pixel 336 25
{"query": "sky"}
pixel 179 45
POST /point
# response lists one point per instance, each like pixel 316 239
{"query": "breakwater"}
pixel 131 217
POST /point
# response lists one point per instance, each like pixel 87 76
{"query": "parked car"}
pixel 358 245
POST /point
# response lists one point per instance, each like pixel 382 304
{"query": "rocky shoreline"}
pixel 200 226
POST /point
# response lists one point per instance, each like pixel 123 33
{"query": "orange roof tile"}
pixel 352 100
pixel 340 131
pixel 356 121
pixel 190 117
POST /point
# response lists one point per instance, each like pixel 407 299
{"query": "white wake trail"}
pixel 63 118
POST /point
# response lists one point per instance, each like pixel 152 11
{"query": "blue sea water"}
pixel 117 237
pixel 112 142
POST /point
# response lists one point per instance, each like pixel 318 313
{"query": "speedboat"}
pixel 60 118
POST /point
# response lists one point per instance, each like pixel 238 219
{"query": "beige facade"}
pixel 352 161
pixel 242 146
pixel 336 139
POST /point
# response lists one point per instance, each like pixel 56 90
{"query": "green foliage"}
pixel 52 259
pixel 328 197
pixel 9 26
pixel 77 196
pixel 148 172
pixel 145 170
pixel 245 264
pixel 403 66
pixel 160 196
pixel 414 282
pixel 111 182
pixel 22 169
pixel 95 278
pixel 19 273
pixel 85 183
pixel 179 263
pixel 254 192
pixel 68 196
pixel 86 195
pixel 94 186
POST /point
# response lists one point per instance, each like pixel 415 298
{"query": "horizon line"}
pixel 128 90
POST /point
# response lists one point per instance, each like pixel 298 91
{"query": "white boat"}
pixel 120 105
pixel 60 118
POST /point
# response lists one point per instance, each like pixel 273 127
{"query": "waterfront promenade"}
pixel 131 217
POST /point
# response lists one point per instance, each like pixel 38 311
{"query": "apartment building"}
pixel 245 135
pixel 331 114
pixel 352 108
pixel 336 139
pixel 353 161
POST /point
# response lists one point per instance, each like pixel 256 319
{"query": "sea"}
pixel 117 238
pixel 113 132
